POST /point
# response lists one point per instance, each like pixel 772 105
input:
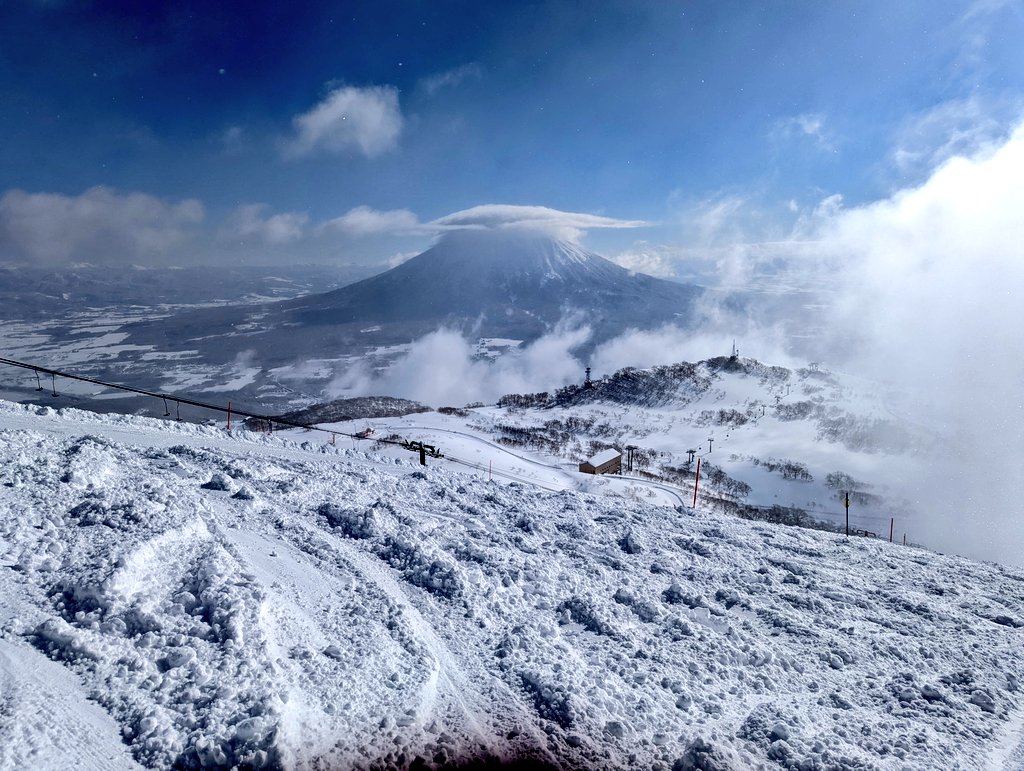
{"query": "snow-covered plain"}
pixel 172 595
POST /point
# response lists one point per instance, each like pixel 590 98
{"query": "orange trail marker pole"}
pixel 229 417
pixel 892 521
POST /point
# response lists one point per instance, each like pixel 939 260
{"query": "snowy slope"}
pixel 766 436
pixel 215 599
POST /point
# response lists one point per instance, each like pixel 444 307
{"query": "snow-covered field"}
pixel 81 320
pixel 172 595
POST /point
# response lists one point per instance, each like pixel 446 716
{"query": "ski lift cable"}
pixel 179 400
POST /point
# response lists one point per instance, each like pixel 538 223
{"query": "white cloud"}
pixel 100 225
pixel 722 219
pixel 560 224
pixel 981 22
pixel 365 120
pixel 957 127
pixel 398 258
pixel 932 283
pixel 921 290
pixel 810 221
pixel 364 221
pixel 248 222
pixel 730 238
pixel 451 78
pixel 442 369
pixel 942 257
pixel 645 258
pixel 806 126
pixel 634 348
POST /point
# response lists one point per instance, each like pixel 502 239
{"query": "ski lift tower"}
pixel 630 449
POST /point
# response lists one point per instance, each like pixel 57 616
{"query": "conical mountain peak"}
pixel 512 251
pixel 497 283
pixel 502 282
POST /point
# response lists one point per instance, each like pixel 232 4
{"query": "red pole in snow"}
pixel 892 521
pixel 489 470
pixel 696 480
pixel 229 417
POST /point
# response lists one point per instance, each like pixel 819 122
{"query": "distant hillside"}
pixel 776 443
pixel 653 386
pixel 341 410
pixel 499 284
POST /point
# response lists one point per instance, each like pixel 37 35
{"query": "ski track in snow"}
pixel 55 725
pixel 1008 754
pixel 173 596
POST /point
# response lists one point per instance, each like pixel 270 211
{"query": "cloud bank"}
pixel 105 226
pixel 442 368
pixel 100 225
pixel 920 290
pixel 445 368
pixel 364 220
pixel 932 280
pixel 349 119
pixel 250 222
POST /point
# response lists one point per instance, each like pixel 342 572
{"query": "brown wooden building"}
pixel 605 462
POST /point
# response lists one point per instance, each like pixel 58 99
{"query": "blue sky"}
pixel 255 131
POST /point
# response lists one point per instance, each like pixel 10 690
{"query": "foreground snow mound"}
pixel 246 607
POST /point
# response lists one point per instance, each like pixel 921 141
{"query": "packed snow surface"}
pixel 171 595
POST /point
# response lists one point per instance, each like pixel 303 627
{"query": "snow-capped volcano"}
pixel 490 283
pixel 509 282
pixel 513 251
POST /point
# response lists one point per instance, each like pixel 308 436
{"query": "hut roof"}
pixel 604 456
